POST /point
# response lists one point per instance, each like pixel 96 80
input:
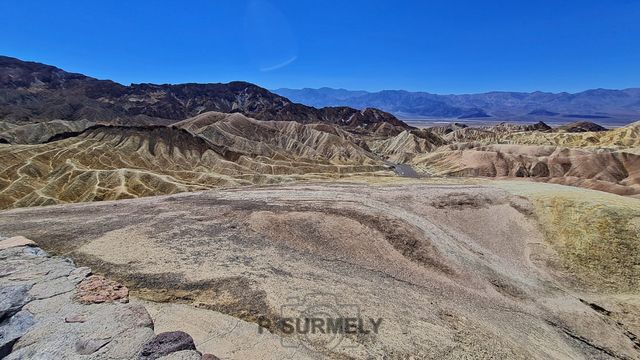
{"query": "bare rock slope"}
pixel 112 162
pixel 40 132
pixel 51 309
pixel 626 137
pixel 32 92
pixel 612 171
pixel 623 138
pixel 453 271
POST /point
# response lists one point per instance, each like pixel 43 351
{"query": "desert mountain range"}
pixel 596 104
pixel 36 92
pixel 516 240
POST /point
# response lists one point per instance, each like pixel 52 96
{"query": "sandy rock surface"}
pixel 41 320
pixel 51 309
pixel 453 271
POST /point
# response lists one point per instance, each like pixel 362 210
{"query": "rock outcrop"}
pixel 167 343
pixel 50 309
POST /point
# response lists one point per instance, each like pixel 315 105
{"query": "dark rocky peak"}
pixel 580 126
pixel 68 96
pixel 15 73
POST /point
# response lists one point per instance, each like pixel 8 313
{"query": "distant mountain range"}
pixel 33 92
pixel 590 104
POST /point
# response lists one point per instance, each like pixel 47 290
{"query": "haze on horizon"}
pixel 441 47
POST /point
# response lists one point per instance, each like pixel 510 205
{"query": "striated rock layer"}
pixel 627 137
pixel 612 171
pixel 110 162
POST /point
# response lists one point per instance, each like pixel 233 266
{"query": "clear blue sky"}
pixel 450 46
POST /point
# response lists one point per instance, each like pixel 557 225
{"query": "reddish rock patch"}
pixel 97 289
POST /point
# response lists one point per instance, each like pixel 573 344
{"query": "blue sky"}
pixel 448 46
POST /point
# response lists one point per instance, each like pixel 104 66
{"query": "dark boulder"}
pixel 165 344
